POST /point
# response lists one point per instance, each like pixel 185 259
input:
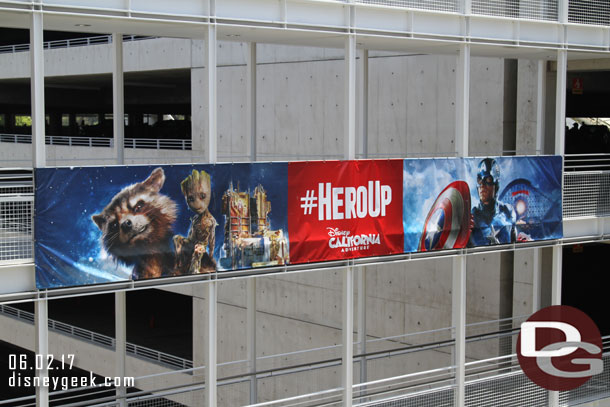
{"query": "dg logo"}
pixel 560 348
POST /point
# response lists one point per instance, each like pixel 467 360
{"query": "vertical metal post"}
pixel 212 305
pixel 361 276
pixel 462 104
pixel 459 322
pixel 556 300
pixel 348 335
pixel 251 336
pixel 120 329
pixel 557 274
pixel 540 105
pixel 363 107
pixel 212 89
pixel 211 368
pixel 251 96
pixel 41 313
pixel 118 98
pixel 37 88
pixel 41 322
pixel 349 122
pixel 560 101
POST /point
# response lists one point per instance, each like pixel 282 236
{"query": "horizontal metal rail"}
pixel 70 43
pixel 101 340
pixel 77 141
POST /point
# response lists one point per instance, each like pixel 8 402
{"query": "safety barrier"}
pixel 70 43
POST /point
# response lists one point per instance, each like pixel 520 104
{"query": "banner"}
pixel 469 202
pixel 102 224
pixel 344 209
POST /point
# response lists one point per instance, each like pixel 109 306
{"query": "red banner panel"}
pixel 344 209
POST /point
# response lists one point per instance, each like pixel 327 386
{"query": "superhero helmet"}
pixel 488 167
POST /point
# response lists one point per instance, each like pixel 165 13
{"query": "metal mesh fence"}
pixel 527 9
pixel 596 388
pixel 16 210
pixel 589 12
pixel 436 5
pixel 513 389
pixel 586 194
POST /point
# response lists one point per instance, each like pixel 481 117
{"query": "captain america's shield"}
pixel 447 225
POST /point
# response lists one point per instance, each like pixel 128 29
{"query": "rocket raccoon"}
pixel 137 227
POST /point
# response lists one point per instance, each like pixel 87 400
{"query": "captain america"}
pixel 493 222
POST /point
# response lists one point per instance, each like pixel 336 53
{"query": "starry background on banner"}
pixel 68 251
pixel 424 179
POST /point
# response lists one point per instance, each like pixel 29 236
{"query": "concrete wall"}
pixel 300 116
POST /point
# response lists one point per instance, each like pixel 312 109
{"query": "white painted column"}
pixel 462 103
pixel 349 130
pixel 560 113
pixel 560 101
pixel 212 46
pixel 212 305
pixel 41 322
pixel 458 314
pixel 120 329
pixel 251 335
pixel 363 105
pixel 540 106
pixel 459 322
pixel 37 89
pixel 251 98
pixel 361 310
pixel 349 122
pixel 211 368
pixel 118 98
pixel 41 313
pixel 348 335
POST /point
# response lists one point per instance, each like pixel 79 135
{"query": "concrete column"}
pixel 120 329
pixel 251 98
pixel 509 121
pixel 41 322
pixel 537 281
pixel 363 105
pixel 462 103
pixel 540 106
pixel 348 336
pixel 560 101
pixel 199 341
pixel 118 98
pixel 459 323
pixel 349 122
pixel 37 89
pixel 251 336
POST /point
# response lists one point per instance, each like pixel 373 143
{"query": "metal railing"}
pixel 595 12
pixel 489 382
pixel 77 141
pixel 70 43
pixel 16 215
pixel 101 340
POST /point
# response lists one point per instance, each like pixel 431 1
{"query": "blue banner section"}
pixel 104 224
pixel 455 203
